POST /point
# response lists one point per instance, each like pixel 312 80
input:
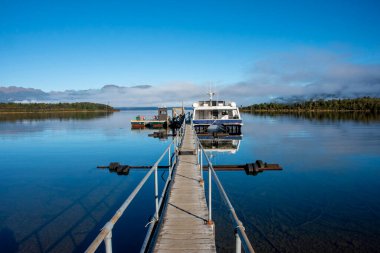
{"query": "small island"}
pixel 364 104
pixel 54 107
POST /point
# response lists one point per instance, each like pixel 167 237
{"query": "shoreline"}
pixel 303 111
pixel 58 111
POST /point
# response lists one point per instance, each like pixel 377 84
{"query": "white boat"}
pixel 216 116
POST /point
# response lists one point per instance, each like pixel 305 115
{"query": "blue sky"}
pixel 60 45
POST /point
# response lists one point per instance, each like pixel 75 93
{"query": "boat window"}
pixel 214 114
pixel 198 115
pixel 202 114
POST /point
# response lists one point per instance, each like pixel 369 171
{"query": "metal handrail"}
pixel 178 143
pixel 241 236
pixel 106 232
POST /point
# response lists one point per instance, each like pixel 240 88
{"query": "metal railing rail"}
pixel 106 232
pixel 240 235
pixel 178 142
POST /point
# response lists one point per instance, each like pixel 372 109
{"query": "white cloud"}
pixel 307 73
pixel 302 73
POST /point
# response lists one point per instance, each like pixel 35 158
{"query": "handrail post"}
pixel 201 166
pixel 175 161
pixel 238 242
pixel 197 150
pixel 209 196
pixel 156 191
pixel 169 156
pixel 108 242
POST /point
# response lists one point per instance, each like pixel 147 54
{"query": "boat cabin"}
pixel 162 113
pixel 215 110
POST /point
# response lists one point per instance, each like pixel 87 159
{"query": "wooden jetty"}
pixel 185 227
pixel 182 221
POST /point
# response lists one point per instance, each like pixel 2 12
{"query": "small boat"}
pixel 159 121
pixel 137 123
pixel 216 117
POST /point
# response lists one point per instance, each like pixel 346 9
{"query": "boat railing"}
pixel 106 232
pixel 240 235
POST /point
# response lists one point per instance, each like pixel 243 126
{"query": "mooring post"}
pixel 108 242
pixel 156 191
pixel 238 242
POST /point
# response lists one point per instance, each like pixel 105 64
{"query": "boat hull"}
pixel 217 122
pixel 232 127
pixel 157 124
pixel 137 124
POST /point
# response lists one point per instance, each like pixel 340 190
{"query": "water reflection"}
pixel 14 117
pixel 220 145
pixel 327 116
pixel 327 199
pixel 53 199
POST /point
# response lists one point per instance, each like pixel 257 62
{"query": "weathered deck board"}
pixel 184 227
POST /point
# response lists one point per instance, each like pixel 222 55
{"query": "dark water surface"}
pixel 327 198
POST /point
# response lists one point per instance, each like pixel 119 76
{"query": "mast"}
pixel 210 94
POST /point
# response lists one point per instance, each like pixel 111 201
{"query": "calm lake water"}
pixel 327 198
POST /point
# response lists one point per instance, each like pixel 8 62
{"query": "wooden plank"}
pixel 187 251
pixel 184 227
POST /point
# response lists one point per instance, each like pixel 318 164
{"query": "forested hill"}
pixel 58 107
pixel 358 104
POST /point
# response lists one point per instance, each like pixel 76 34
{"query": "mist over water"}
pixel 53 199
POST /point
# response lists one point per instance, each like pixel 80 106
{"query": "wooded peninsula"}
pixel 364 104
pixel 56 107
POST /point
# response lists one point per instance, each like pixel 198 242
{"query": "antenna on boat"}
pixel 210 94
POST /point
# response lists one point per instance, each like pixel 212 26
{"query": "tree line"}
pixel 56 107
pixel 357 104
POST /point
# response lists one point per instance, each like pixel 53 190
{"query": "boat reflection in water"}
pixel 226 144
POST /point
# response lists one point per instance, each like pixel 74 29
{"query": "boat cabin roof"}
pixel 210 105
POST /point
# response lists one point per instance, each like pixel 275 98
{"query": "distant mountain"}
pixel 117 96
pixel 20 94
pixel 136 108
pixel 178 94
pixel 146 108
pixel 299 99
